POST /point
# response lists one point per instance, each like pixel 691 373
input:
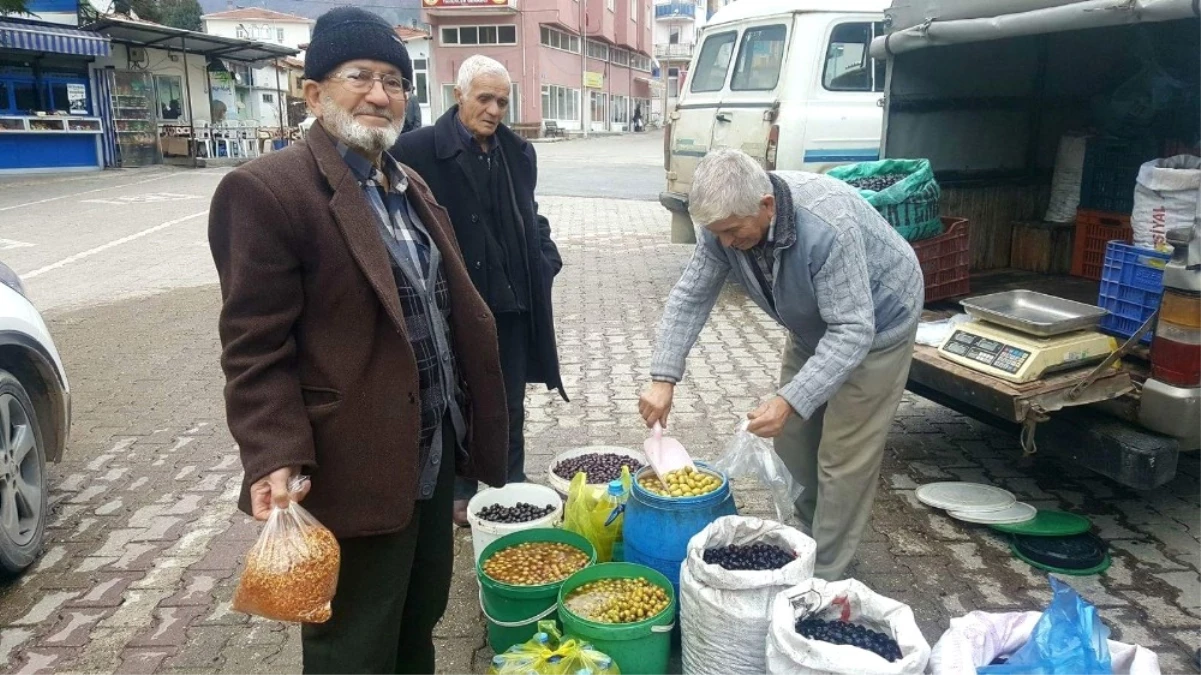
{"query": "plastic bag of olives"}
pixel 547 653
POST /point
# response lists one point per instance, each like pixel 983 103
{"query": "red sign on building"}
pixel 464 3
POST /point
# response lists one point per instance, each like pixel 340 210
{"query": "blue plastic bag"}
pixel 1069 639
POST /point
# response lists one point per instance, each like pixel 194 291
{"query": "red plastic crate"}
pixel 946 261
pixel 1094 231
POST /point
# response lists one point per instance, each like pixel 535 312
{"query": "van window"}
pixel 714 62
pixel 759 59
pixel 849 67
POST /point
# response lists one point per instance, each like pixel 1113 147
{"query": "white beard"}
pixel 370 140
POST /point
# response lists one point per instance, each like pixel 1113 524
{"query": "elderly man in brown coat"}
pixel 357 350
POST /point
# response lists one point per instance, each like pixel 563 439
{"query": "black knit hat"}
pixel 347 33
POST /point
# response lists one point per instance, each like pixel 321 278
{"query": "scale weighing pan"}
pixel 1048 524
pixel 964 497
pixel 1034 313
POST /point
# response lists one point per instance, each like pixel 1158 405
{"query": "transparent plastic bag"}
pixel 591 514
pixel 291 572
pixel 747 455
pixel 547 653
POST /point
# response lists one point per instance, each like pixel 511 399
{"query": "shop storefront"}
pixel 172 94
pixel 50 116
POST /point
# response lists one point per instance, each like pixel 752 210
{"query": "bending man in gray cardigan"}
pixel 824 264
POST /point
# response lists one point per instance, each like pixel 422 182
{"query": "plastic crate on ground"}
pixel 1094 231
pixel 1131 286
pixel 946 261
pixel 1110 171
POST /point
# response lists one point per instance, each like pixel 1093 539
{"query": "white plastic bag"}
pixel 724 614
pixel 978 638
pixel 750 456
pixel 1066 181
pixel 1165 198
pixel 934 333
pixel 789 653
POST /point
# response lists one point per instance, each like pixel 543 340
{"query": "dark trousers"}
pixel 513 338
pixel 392 590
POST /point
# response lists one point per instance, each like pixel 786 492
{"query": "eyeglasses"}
pixel 362 81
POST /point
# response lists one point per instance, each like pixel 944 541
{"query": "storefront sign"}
pixel 594 80
pixel 77 97
pixel 458 4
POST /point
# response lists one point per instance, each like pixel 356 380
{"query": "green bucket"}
pixel 643 647
pixel 513 612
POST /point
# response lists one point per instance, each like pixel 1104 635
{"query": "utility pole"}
pixel 583 68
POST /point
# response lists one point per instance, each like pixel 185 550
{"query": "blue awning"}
pixel 37 37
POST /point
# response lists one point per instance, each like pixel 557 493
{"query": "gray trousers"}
pixel 836 453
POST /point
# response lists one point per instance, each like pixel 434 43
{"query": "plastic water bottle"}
pixel 616 497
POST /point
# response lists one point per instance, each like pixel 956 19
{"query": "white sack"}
pixel 1165 198
pixel 1066 181
pixel 789 653
pixel 980 637
pixel 724 614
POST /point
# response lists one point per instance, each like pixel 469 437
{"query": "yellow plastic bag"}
pixel 547 653
pixel 591 514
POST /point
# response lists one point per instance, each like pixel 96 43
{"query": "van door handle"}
pixel 723 117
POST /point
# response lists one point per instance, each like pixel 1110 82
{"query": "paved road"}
pixel 145 541
pixel 629 166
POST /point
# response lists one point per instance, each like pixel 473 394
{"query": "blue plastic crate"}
pixel 1131 286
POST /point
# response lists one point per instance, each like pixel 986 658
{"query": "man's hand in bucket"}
pixel 767 421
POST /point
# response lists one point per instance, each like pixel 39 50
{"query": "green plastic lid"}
pixel 1049 524
pixel 1104 565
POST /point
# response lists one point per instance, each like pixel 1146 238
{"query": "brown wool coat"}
pixel 319 370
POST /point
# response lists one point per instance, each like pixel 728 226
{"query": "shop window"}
pixel 25 97
pixel 6 104
pixel 169 95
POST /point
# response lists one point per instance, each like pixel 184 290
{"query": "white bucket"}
pixel 484 532
pixel 562 485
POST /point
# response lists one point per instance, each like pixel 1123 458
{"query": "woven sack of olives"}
pixel 788 651
pixel 902 190
pixel 728 581
pixel 291 571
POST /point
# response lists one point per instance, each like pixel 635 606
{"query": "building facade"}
pixel 584 64
pixel 258 92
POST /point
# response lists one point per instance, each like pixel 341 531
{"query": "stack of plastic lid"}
pixel 1050 540
pixel 976 503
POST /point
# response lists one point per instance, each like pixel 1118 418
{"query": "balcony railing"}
pixel 674 51
pixel 675 10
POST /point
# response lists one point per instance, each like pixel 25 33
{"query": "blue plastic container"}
pixel 1131 286
pixel 657 529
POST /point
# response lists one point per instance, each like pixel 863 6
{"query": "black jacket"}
pixel 436 153
pixel 412 115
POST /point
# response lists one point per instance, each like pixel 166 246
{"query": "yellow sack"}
pixel 590 514
pixel 547 653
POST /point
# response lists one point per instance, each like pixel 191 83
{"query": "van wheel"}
pixel 23 494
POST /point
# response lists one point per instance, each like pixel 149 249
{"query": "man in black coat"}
pixel 484 174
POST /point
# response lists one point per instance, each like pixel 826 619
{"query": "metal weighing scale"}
pixel 1020 336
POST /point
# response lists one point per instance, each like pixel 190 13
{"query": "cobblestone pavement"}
pixel 145 542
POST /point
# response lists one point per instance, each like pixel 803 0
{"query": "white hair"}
pixel 342 124
pixel 476 66
pixel 727 182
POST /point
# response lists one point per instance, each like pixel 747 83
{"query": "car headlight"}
pixel 9 278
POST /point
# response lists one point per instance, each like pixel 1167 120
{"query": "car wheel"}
pixel 23 498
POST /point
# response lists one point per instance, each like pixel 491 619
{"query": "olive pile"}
pixel 686 482
pixel 847 633
pixel 600 467
pixel 756 556
pixel 521 513
pixel 535 563
pixel 617 600
pixel 877 183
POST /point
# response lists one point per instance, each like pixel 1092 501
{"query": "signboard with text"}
pixel 594 80
pixel 461 4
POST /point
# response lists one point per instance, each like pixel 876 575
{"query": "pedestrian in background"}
pixel 484 174
pixel 355 348
pixel 823 263
pixel 412 114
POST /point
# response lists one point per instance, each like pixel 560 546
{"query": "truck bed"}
pixel 1093 429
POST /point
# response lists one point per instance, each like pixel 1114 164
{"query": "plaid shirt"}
pixel 425 303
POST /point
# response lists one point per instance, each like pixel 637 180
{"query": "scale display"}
pixel 1012 356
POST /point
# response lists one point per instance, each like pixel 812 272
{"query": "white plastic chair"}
pixel 204 136
pixel 248 137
